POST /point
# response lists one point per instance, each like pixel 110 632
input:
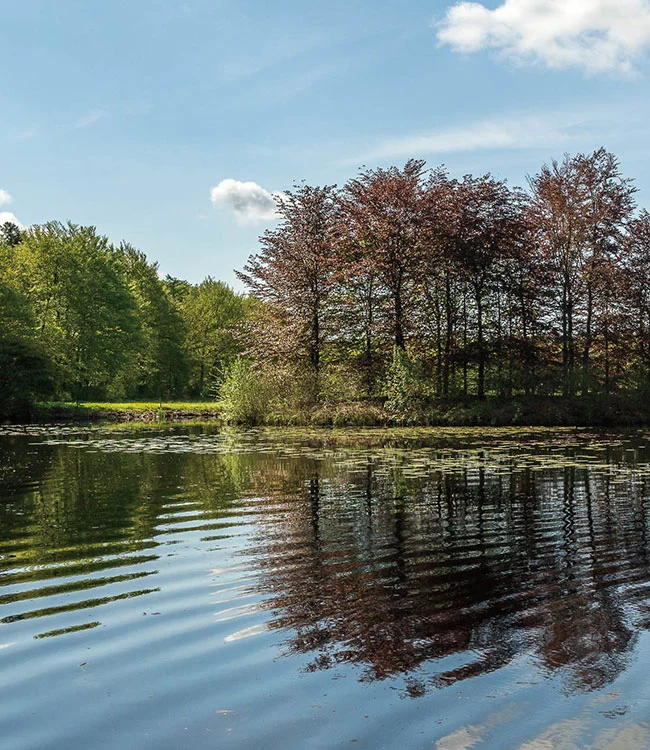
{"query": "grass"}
pixel 126 411
pixel 541 411
pixel 193 406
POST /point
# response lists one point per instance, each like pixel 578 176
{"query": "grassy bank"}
pixel 519 411
pixel 131 411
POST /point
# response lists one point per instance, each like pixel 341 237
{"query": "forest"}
pixel 402 292
pixel 82 319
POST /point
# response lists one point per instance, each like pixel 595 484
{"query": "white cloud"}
pixel 4 197
pixel 277 52
pixel 7 216
pixel 89 119
pixel 248 200
pixel 595 35
pixel 462 739
pixel 515 132
pixel 27 133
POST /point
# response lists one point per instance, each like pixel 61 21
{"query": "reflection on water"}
pixel 480 562
pixel 284 573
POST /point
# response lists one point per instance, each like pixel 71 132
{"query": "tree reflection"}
pixel 399 561
pixel 77 521
pixel 472 568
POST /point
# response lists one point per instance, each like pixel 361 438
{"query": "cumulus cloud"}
pixel 7 216
pixel 249 201
pixel 595 35
pixel 4 197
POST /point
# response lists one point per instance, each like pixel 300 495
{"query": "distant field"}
pixel 193 406
pixel 128 411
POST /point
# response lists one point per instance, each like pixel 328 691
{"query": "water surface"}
pixel 189 588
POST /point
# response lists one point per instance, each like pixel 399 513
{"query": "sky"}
pixel 171 124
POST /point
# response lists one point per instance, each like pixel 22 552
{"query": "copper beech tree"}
pixel 582 207
pixel 293 276
pixel 385 212
pixel 483 288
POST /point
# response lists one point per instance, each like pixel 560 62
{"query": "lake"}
pixel 431 588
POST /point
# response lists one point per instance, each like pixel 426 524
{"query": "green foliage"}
pixel 10 234
pixel 245 395
pixel 161 366
pixel 16 316
pixel 339 383
pixel 25 375
pixel 177 289
pixel 101 322
pixel 404 385
pixel 86 317
pixel 210 311
pixel 352 414
pixel 25 371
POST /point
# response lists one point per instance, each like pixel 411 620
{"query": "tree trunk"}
pixel 481 347
pixel 449 332
pixel 565 343
pixel 314 349
pixel 399 319
pixel 586 352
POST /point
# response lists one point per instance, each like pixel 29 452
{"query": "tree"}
pixel 581 206
pixel 294 272
pixel 637 295
pixel 358 304
pixel 526 281
pixel 607 206
pixel 482 226
pixel 177 289
pixel 10 233
pixel 25 370
pixel 439 287
pixel 25 375
pixel 556 205
pixel 86 317
pixel 162 365
pixel 210 312
pixel 385 211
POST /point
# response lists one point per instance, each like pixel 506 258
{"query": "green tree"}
pixel 177 289
pixel 161 366
pixel 86 316
pixel 10 233
pixel 25 372
pixel 210 311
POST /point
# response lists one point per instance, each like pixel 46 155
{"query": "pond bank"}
pixel 492 411
pixel 142 412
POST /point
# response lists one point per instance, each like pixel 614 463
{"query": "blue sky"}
pixel 126 115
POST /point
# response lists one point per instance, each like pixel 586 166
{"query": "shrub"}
pixel 404 387
pixel 245 394
pixel 25 376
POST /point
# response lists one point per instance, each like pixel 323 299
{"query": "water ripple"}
pixel 285 589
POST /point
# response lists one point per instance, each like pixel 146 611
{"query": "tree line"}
pixel 405 287
pixel 81 318
pixel 407 284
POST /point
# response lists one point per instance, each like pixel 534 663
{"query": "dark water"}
pixel 445 589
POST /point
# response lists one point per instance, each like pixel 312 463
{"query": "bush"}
pixel 404 387
pixel 245 394
pixel 337 384
pixel 25 376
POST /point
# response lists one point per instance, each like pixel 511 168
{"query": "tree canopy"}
pixel 404 285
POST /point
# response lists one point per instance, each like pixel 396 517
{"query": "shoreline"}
pixel 148 413
pixel 490 412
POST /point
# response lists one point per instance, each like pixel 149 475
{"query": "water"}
pixel 186 588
